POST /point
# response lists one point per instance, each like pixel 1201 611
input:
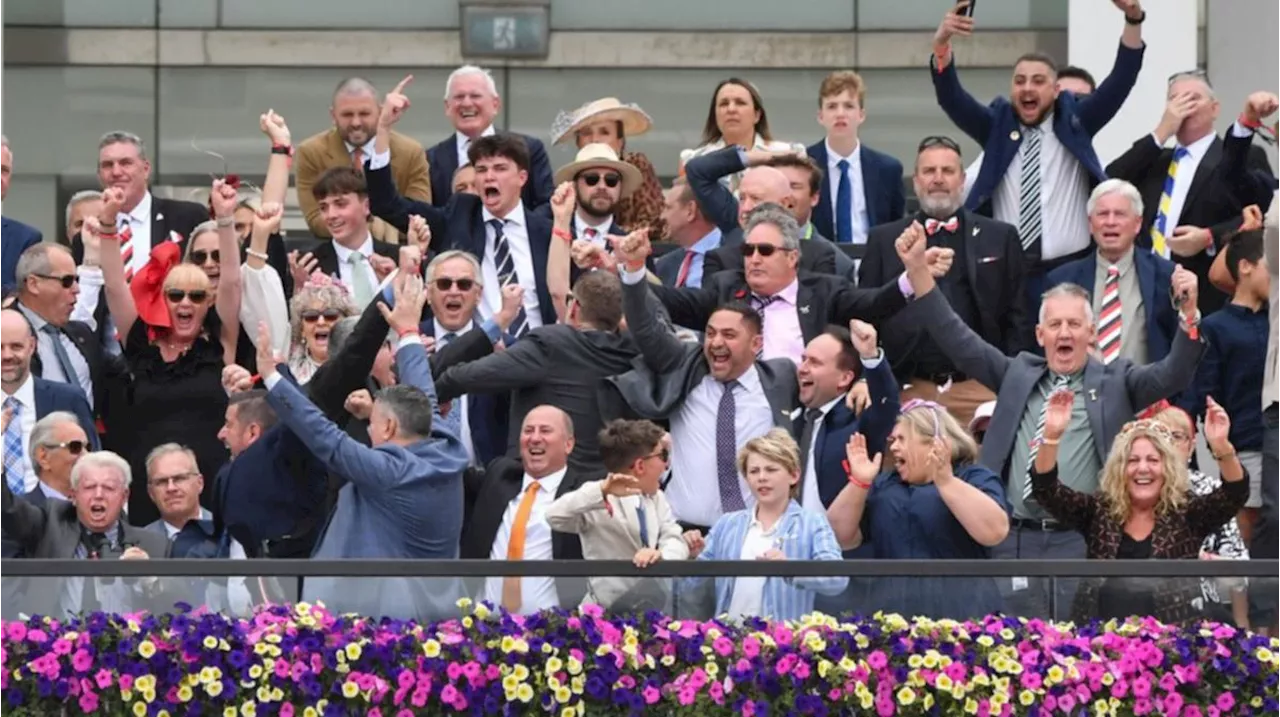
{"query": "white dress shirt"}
pixel 1186 173
pixel 367 148
pixel 810 497
pixel 463 143
pixel 51 492
pixel 516 230
pixel 139 223
pixel 50 367
pixel 536 592
pixel 601 236
pixel 1064 194
pixel 26 396
pixel 748 593
pixel 345 273
pixel 694 491
pixel 859 203
pixel 463 400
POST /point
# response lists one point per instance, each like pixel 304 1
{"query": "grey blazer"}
pixel 668 369
pixel 1115 393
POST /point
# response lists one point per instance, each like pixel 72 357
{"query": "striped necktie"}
pixel 14 472
pixel 1110 321
pixel 1029 200
pixel 505 264
pixel 1059 382
pixel 1160 227
pixel 126 248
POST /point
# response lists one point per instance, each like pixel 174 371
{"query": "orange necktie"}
pixel 511 597
pixel 357 160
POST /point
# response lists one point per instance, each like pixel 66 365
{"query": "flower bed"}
pixel 302 660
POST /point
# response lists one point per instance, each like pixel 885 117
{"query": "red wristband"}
pixel 849 474
pixel 562 234
pixel 406 332
pixel 1248 123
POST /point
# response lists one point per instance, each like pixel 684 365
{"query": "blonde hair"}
pixel 189 275
pixel 1113 487
pixel 923 417
pixel 776 446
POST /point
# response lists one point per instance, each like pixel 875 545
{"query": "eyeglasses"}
pixel 75 448
pixel 446 283
pixel 176 480
pixel 67 280
pixel 664 454
pixel 200 256
pixel 611 180
pixel 311 315
pixel 175 296
pixel 749 249
pixel 1180 437
pixel 937 140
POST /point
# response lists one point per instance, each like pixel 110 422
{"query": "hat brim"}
pixel 631 177
pixel 634 122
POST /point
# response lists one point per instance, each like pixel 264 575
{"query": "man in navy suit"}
pixel 1147 319
pixel 15 235
pixel 1039 159
pixel 471 103
pixel 694 234
pixel 863 187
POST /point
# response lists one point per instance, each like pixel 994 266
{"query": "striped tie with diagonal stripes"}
pixel 506 266
pixel 126 250
pixel 1029 205
pixel 1110 321
pixel 1059 382
pixel 1160 227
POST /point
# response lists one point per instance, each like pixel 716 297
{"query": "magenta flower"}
pixel 1225 702
pixel 88 702
pixel 877 660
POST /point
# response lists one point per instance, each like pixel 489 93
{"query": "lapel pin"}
pixel 1093 394
pixel 1015 136
pixel 804 309
pixel 975 231
pixel 159 216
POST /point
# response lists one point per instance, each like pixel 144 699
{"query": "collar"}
pixel 367 147
pixel 26 393
pixel 788 293
pixel 1197 148
pixel 440 331
pixel 1045 126
pixel 792 508
pixel 708 242
pixel 826 407
pixel 749 380
pixel 1245 311
pixel 344 253
pixel 141 214
pixel 461 140
pixel 37 321
pixel 833 157
pixel 51 492
pixel 550 483
pixel 602 229
pixel 515 216
pixel 1124 263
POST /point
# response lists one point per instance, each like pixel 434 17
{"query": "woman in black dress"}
pixel 174 348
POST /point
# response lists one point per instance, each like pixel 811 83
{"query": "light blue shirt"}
pixel 710 242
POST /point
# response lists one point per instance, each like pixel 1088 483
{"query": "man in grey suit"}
pixel 402 497
pixel 1107 397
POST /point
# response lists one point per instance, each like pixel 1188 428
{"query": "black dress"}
pixel 180 402
pixel 1124 597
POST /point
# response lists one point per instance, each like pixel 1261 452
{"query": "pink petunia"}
pixel 103 679
pixel 687 696
pixel 801 670
pixel 1173 704
pixel 716 692
pixel 453 671
pixel 750 647
pixel 62 646
pixel 651 695
pixel 404 713
pixel 1142 706
pixel 1142 687
pixel 1066 703
pixel 723 646
pixel 1030 680
pixel 375 712
pixel 126 683
pixel 1225 702
pixel 419 697
pixel 448 694
pixel 877 660
pixel 627 682
pixel 82 660
pixel 1192 711
pixel 15 631
pixel 955 671
pixel 88 702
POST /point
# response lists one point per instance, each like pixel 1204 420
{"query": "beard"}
pixel 939 206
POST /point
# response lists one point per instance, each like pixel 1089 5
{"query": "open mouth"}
pixel 764 491
pixel 719 359
pixel 98 512
pixel 321 338
pixel 1064 351
pixel 1029 104
pixel 1143 481
pixel 453 303
pixel 336 228
pixel 184 319
pixel 492 194
pixel 537 451
pixel 467 113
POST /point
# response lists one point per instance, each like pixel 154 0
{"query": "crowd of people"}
pixel 480 357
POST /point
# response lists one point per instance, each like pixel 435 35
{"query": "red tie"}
pixel 685 266
pixel 357 160
pixel 931 226
pixel 126 251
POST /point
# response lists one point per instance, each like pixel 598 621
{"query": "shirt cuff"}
pixel 742 156
pixel 872 363
pixel 1239 130
pixel 904 285
pixel 271 381
pixel 491 329
pixel 1156 140
pixel 90 275
pixel 631 278
pixel 409 340
pixel 379 160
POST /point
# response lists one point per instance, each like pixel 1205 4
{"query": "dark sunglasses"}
pixel 175 296
pixel 663 454
pixel 67 280
pixel 75 448
pixel 311 315
pixel 611 179
pixel 445 283
pixel 938 140
pixel 199 256
pixel 749 249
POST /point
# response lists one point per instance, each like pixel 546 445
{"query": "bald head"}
pixel 546 440
pixel 547 414
pixel 355 110
pixel 13 323
pixel 762 185
pixel 17 344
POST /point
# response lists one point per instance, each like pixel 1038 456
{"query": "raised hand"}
pixel 861 467
pixel 620 485
pixel 1057 413
pixel 223 198
pixel 864 338
pixel 419 233
pixel 267 218
pixel 512 300
pixel 274 127
pixel 382 266
pixel 563 203
pixel 1217 426
pixel 410 259
pixel 953 23
pixel 359 403
pixel 1176 110
pixel 1186 290
pixel 1131 8
pixel 410 297
pixel 588 255
pixel 634 248
pixel 301 268
pixel 236 379
pixel 1260 105
pixel 267 360
pixel 395 103
pixel 112 203
pixel 911 245
pixel 91 237
pixel 939 260
pixel 859 397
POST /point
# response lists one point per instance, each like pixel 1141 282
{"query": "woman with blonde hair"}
pixel 774 528
pixel 935 503
pixel 1144 509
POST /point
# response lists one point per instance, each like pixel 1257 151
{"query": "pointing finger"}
pixel 399 89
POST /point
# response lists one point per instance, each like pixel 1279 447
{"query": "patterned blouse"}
pixel 644 206
pixel 1224 542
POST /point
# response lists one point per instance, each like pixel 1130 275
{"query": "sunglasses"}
pixel 311 315
pixel 75 448
pixel 445 283
pixel 200 256
pixel 67 280
pixel 175 296
pixel 611 179
pixel 663 454
pixel 938 140
pixel 749 249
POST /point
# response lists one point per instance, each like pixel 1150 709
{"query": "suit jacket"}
pixel 875 424
pixel 327 150
pixel 327 257
pixel 487 413
pixel 1210 201
pixel 557 365
pixel 443 158
pixel 103 369
pixel 56 396
pixel 609 528
pixel 996 126
pixel 460 225
pixel 994 268
pixel 157 526
pixel 488 494
pixel 15 237
pixel 1122 389
pixel 1154 276
pixel 881 188
pixel 168 216
pixel 1251 186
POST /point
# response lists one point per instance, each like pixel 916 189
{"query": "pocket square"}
pixel 988 259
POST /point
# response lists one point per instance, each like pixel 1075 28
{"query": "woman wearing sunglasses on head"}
pixel 1143 509
pixel 175 394
pixel 934 503
pixel 320 304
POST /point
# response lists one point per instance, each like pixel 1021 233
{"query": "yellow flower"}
pixel 931 659
pixel 467 622
pixel 521 672
pixel 547 648
pixel 508 643
pixel 985 640
pixel 255 671
pixel 464 603
pixel 577 684
pixel 971 706
pixel 927 702
pixel 943 682
pixel 906 696
pixel 140 709
pixel 145 683
pixel 260 648
pixel 1027 698
pixel 712 669
pixel 277 694
pixel 307 621
pixel 824 668
pixel 213 689
pixel 302 608
pixel 603 650
pixel 1006 634
pixel 524 692
pixel 248 709
pixel 510 683
pixel 482 611
pixel 264 694
pixel 553 683
pixel 1054 675
pixel 210 642
pixel 353 651
pixel 350 690
pixel 228 712
pixel 866 700
pixel 573 665
pixel 184 694
pixel 431 648
pixel 1101 708
pixel 1264 655
pixel 563 694
pixel 668 660
pixel 554 664
pixel 146 648
pixel 310 712
pixel 915 661
pixel 149 696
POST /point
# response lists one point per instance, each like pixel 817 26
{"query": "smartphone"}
pixel 968 11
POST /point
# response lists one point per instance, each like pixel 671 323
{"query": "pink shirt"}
pixel 783 337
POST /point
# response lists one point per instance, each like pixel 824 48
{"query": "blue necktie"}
pixel 727 452
pixel 644 524
pixel 13 470
pixel 844 205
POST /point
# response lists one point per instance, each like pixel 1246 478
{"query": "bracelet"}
pixel 1050 442
pixel 1248 123
pixel 1139 21
pixel 1229 453
pixel 406 332
pixel 285 149
pixel 256 254
pixel 861 484
pixel 224 222
pixel 558 232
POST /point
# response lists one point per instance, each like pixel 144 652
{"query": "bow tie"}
pixel 931 226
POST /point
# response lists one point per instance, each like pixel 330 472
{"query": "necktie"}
pixel 1058 382
pixel 682 278
pixel 644 523
pixel 1110 321
pixel 727 452
pixel 506 266
pixel 511 597
pixel 1160 227
pixel 126 248
pixel 360 284
pixel 811 418
pixel 844 205
pixel 14 473
pixel 60 351
pixel 446 339
pixel 1029 209
pixel 931 226
pixel 357 160
pixel 93 545
pixel 590 234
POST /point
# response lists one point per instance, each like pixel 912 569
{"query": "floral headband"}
pixel 1144 427
pixel 915 403
pixel 321 280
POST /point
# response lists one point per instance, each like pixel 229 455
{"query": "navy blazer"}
pixel 1155 274
pixel 442 161
pixel 460 225
pixel 488 415
pixel 875 424
pixel 16 237
pixel 881 187
pixel 997 128
pixel 57 396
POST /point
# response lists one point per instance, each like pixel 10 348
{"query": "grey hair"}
pixel 355 86
pixel 201 228
pixel 444 256
pixel 330 296
pixel 1199 75
pixel 411 407
pixel 102 459
pixel 121 137
pixel 1115 186
pixel 43 431
pixel 83 195
pixel 778 217
pixel 36 260
pixel 340 332
pixel 467 70
pixel 165 449
pixel 1066 288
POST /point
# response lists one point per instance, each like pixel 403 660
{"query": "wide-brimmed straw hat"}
pixel 601 155
pixel 635 121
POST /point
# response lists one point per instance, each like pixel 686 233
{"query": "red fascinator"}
pixel 148 287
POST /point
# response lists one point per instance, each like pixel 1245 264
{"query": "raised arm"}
pixel 263 294
pixel 704 173
pixel 119 299
pixel 560 255
pixel 1070 507
pixel 224 199
pixel 385 201
pixel 1176 371
pixel 876 421
pixel 971 116
pixel 1207 513
pixel 847 510
pixel 1097 109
